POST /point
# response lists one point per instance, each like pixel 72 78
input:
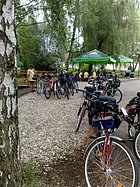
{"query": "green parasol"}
pixel 94 57
pixel 124 59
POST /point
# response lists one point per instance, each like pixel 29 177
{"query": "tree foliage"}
pixel 111 26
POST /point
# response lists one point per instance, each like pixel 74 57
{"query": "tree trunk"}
pixel 73 34
pixel 71 44
pixel 9 132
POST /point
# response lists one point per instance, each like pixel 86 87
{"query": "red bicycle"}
pixel 108 161
pixel 88 97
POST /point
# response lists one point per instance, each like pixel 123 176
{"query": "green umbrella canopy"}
pixel 124 59
pixel 94 57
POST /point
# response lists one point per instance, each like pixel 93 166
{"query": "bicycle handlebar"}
pixel 81 90
pixel 96 97
pixel 89 93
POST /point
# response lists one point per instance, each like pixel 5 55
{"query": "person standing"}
pixel 86 75
pixel 81 76
pixel 30 75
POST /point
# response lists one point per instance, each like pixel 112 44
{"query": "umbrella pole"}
pixel 90 69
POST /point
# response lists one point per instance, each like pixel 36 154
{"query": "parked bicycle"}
pixel 109 86
pixel 85 106
pixel 133 120
pixel 52 86
pixel 112 88
pixel 40 84
pixel 108 161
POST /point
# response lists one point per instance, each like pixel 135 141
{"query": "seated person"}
pixel 127 73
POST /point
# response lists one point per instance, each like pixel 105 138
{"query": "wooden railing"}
pixel 22 76
pixel 23 73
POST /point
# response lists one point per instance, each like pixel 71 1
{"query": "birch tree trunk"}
pixel 9 132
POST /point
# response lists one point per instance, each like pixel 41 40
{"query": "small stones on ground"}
pixel 47 127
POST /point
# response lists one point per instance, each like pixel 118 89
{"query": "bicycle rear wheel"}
pixel 47 92
pixel 66 91
pixel 116 93
pixel 121 168
pixel 58 93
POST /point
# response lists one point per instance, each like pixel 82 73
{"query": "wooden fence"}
pixel 23 73
pixel 22 76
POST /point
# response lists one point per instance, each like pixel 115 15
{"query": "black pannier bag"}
pixel 112 105
pixel 117 83
pixel 111 102
pixel 134 100
pixel 99 104
pixel 132 106
pixel 117 122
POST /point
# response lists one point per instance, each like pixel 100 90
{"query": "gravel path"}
pixel 47 126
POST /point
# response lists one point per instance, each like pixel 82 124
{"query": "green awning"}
pixel 124 59
pixel 94 57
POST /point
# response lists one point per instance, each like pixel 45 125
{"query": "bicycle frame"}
pixel 95 139
pixel 106 149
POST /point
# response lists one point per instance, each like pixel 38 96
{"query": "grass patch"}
pixel 31 175
pixel 22 91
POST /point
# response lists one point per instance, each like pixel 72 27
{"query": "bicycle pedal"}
pixel 130 139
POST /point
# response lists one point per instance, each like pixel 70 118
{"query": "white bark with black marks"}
pixel 9 132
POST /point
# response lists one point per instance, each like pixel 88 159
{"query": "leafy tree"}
pixel 108 25
pixel 29 42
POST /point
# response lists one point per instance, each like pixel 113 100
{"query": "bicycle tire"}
pixel 66 92
pixel 58 93
pixel 118 91
pixel 81 115
pixel 136 146
pixel 76 86
pixel 72 91
pixel 108 177
pixel 47 92
pixel 38 87
pixel 134 125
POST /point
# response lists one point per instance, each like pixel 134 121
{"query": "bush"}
pixel 84 67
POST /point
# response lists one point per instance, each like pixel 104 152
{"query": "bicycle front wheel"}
pixel 137 145
pixel 111 168
pixel 38 87
pixel 116 93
